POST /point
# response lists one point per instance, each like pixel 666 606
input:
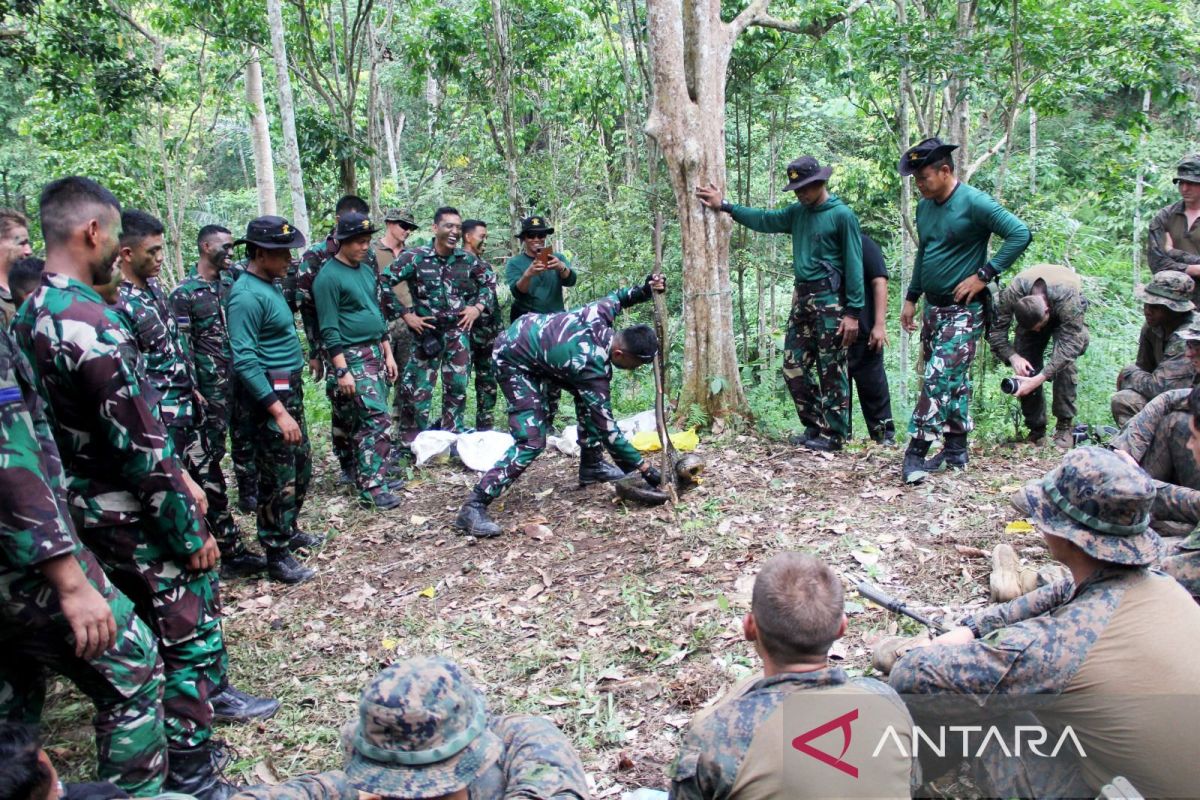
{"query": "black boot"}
pixel 380 498
pixel 247 502
pixel 953 454
pixel 800 439
pixel 233 705
pixel 914 470
pixel 304 541
pixel 240 563
pixel 473 517
pixel 282 566
pixel 594 469
pixel 191 771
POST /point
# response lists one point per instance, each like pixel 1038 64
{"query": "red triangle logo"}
pixel 801 742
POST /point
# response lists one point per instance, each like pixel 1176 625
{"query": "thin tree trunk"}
pixel 388 139
pixel 1138 189
pixel 503 78
pixel 1033 149
pixel 260 137
pixel 287 116
pixel 907 243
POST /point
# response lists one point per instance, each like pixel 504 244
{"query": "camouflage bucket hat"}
pixel 402 216
pixel 1168 288
pixel 1188 169
pixel 421 732
pixel 1097 501
pixel 1189 332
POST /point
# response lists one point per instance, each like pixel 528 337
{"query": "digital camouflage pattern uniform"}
pixel 200 314
pixel 1067 329
pixel 442 287
pixel 1162 362
pixel 1157 438
pixel 1184 564
pixel 827 262
pixel 124 682
pixel 483 339
pixel 1172 244
pixel 543 353
pixel 126 488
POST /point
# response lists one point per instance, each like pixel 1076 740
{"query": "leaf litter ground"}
pixel 617 622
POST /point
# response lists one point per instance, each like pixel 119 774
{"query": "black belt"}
pixel 814 287
pixel 942 300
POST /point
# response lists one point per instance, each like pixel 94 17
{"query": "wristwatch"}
pixel 985 273
pixel 341 372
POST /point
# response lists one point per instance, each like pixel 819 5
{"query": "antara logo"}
pixel 801 742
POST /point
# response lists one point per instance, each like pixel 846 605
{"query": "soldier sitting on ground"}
pixel 738 749
pixel 1184 562
pixel 1162 363
pixel 423 732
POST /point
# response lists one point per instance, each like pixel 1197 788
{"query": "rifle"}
pixel 885 600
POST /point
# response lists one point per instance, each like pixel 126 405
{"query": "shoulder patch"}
pixel 10 395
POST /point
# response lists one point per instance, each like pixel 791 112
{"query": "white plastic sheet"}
pixel 432 444
pixel 482 449
pixel 568 441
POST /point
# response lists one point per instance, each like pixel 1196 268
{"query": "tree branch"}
pixel 756 14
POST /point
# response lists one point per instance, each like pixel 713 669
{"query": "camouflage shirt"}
pixel 443 286
pixel 118 457
pixel 1066 324
pixel 1162 362
pixel 490 323
pixel 1182 251
pixel 7 309
pixel 1138 434
pixel 165 353
pixel 200 314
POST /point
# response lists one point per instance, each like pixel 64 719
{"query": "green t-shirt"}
pixel 952 240
pixel 262 334
pixel 347 300
pixel 825 236
pixel 545 294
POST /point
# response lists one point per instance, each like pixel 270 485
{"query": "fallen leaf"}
pixel 1018 527
pixel 865 558
pixel 971 552
pixel 537 531
pixel 389 644
pixel 416 520
pixel 534 590
pixel 357 598
pixel 698 560
pixel 428 591
pixel 345 697
pixel 1009 488
pixel 555 702
pixel 264 773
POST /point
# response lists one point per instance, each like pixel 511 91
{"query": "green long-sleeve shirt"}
pixel 348 306
pixel 825 235
pixel 262 335
pixel 952 240
pixel 545 295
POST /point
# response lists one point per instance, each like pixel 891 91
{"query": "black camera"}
pixel 1010 385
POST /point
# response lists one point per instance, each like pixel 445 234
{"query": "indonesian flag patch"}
pixel 280 384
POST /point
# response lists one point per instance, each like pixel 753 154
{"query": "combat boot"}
pixel 914 461
pixel 800 439
pixel 823 444
pixel 345 478
pixel 233 705
pixel 304 541
pixel 191 771
pixel 953 454
pixel 282 566
pixel 240 563
pixel 473 517
pixel 1064 435
pixel 380 498
pixel 247 502
pixel 594 469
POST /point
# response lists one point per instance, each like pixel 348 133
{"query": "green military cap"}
pixel 924 152
pixel 534 224
pixel 402 216
pixel 422 732
pixel 1169 288
pixel 352 225
pixel 1188 169
pixel 1098 502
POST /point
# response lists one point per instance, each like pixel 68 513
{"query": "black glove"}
pixel 653 476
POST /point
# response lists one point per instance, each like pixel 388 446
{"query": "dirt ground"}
pixel 617 622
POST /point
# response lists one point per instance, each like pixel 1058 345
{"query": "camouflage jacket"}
pixel 572 349
pixel 35 523
pixel 442 287
pixel 490 323
pixel 1067 324
pixel 1138 434
pixel 1162 362
pixel 166 355
pixel 200 314
pixel 536 761
pixel 7 309
pixel 1182 251
pixel 303 299
pixel 118 458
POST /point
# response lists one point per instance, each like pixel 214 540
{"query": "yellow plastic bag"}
pixel 684 441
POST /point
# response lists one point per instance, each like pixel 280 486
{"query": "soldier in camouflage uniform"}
pixel 423 732
pixel 398 226
pixel 314 258
pixel 951 269
pixel 1173 241
pixel 483 333
pixel 1162 362
pixel 269 362
pixel 14 245
pixel 130 499
pixel 1047 302
pixel 355 341
pixel 826 302
pixel 1106 639
pixel 738 751
pixel 57 607
pixel 575 351
pixel 451 290
pixel 198 309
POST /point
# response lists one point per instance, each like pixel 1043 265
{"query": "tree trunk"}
pixel 907 239
pixel 287 115
pixel 1033 149
pixel 1138 189
pixel 503 75
pixel 260 137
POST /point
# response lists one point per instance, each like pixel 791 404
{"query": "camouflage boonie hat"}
pixel 402 216
pixel 1189 332
pixel 1188 169
pixel 1097 501
pixel 422 731
pixel 1169 288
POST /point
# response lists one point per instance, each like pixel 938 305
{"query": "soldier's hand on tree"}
pixel 197 494
pixel 346 385
pixel 967 288
pixel 288 428
pixel 418 323
pixel 848 329
pixel 467 317
pixel 1021 366
pixel 1027 386
pixel 90 618
pixel 879 338
pixel 206 557
pixel 316 368
pixel 656 282
pixel 710 196
pixel 908 313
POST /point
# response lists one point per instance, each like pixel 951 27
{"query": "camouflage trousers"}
pixel 1031 345
pixel 241 440
pixel 949 335
pixel 181 608
pixel 205 450
pixel 1168 457
pixel 486 393
pixel 1126 404
pixel 125 683
pixel 367 412
pixel 401 339
pixel 1001 775
pixel 814 364
pixel 420 376
pixel 284 470
pixel 341 423
pixel 1184 566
